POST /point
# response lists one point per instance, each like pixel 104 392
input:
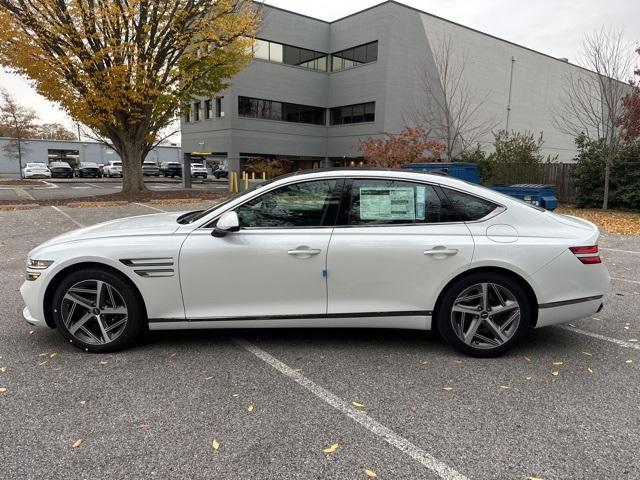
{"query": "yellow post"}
pixel 246 182
pixel 253 175
pixel 264 175
pixel 230 181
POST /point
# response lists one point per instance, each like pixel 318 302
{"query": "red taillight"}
pixel 587 255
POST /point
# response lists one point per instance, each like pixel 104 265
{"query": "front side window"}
pixel 468 207
pixel 306 205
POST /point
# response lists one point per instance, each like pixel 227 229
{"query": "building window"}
pixel 282 111
pixel 289 55
pixel 359 113
pixel 196 112
pixel 208 113
pixel 218 107
pixel 352 57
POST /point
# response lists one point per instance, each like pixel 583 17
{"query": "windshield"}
pixel 90 164
pixel 117 164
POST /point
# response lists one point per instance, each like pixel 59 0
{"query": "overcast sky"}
pixel 554 27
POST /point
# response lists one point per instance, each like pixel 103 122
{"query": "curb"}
pixel 113 203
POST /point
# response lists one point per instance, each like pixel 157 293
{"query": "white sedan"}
pixel 341 248
pixel 36 170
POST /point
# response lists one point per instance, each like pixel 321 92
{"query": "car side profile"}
pixel 337 248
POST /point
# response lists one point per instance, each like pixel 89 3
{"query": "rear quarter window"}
pixel 468 208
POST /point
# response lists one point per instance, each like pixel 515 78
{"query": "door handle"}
pixel 442 251
pixel 304 251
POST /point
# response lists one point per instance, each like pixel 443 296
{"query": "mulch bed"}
pixel 147 196
pixel 19 183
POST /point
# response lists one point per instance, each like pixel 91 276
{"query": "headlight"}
pixel 39 264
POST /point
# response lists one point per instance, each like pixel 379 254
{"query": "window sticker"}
pixel 387 203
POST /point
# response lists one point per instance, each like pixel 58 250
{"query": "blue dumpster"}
pixel 461 170
pixel 540 195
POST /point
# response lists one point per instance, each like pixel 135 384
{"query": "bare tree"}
pixel 450 107
pixel 592 101
pixel 19 123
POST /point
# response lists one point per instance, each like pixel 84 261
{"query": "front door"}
pixel 394 248
pixel 274 266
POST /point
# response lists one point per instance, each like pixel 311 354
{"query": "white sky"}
pixel 554 27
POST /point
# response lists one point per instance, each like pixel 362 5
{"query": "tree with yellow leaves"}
pixel 124 68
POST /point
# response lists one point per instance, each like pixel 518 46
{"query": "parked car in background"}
pixel 198 170
pixel 88 169
pixel 61 170
pixel 36 170
pixel 171 169
pixel 218 171
pixel 112 169
pixel 337 248
pixel 150 169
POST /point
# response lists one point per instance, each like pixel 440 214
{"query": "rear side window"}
pixel 467 208
pixel 393 202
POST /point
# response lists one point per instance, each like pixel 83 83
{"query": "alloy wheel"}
pixel 94 312
pixel 485 315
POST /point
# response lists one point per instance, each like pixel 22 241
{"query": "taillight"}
pixel 587 255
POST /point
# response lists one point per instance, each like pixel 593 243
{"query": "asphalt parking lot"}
pixel 82 188
pixel 563 405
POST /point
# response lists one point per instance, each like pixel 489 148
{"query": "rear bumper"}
pixel 568 311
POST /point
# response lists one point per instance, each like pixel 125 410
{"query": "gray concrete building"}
pixel 72 152
pixel 315 88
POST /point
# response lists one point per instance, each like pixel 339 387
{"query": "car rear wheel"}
pixel 484 314
pixel 97 311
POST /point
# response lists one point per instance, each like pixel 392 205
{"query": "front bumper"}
pixel 33 312
pixel 30 319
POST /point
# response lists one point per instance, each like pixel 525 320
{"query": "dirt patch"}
pixel 20 183
pixel 611 221
pixel 144 197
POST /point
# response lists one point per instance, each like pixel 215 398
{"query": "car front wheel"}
pixel 484 314
pixel 97 311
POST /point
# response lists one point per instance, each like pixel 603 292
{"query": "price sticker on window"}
pixel 384 203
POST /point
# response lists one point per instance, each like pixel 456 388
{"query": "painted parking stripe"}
pixel 622 343
pixel 149 206
pixel 94 185
pixel 625 280
pixel 441 469
pixel 68 216
pixel 618 250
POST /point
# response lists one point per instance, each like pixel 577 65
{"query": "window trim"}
pixel 284 45
pixel 360 64
pixel 363 104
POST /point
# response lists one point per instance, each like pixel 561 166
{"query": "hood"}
pixel 154 224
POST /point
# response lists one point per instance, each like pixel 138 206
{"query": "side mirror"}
pixel 227 223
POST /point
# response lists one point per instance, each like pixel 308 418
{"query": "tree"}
pixel 271 167
pixel 409 146
pixel 592 104
pixel 53 131
pixel 631 109
pixel 19 123
pixel 124 68
pixel 450 106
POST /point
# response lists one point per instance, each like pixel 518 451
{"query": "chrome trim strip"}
pixel 418 313
pixel 155 273
pixel 570 302
pixel 147 262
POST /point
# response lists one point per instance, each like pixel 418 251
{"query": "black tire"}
pixel 135 318
pixel 445 315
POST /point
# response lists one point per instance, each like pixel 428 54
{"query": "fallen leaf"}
pixel 626 327
pixel 413 408
pixel 250 408
pixel 448 389
pixel 103 362
pixel 77 443
pixel 83 402
pixel 43 363
pixel 236 395
pixel 3 369
pixel 172 355
pixel 31 332
pixel 215 444
pixel 587 354
pixel 54 354
pixel 557 363
pixel 457 361
pixel 526 359
pixel 370 473
pixel 571 325
pixel 589 370
pixel 144 425
pixel 357 404
pixel 505 387
pixel 208 378
pixel 555 373
pixel 331 448
pixel 43 354
pixel 632 340
pixel 628 361
pixel 528 378
pixel 535 478
pixel 3 389
pixel 297 370
pixel 423 362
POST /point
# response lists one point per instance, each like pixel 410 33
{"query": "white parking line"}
pixel 621 343
pixel 441 469
pixel 149 206
pixel 68 216
pixel 625 280
pixel 94 185
pixel 619 251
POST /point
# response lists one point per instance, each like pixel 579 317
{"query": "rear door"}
pixel 396 244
